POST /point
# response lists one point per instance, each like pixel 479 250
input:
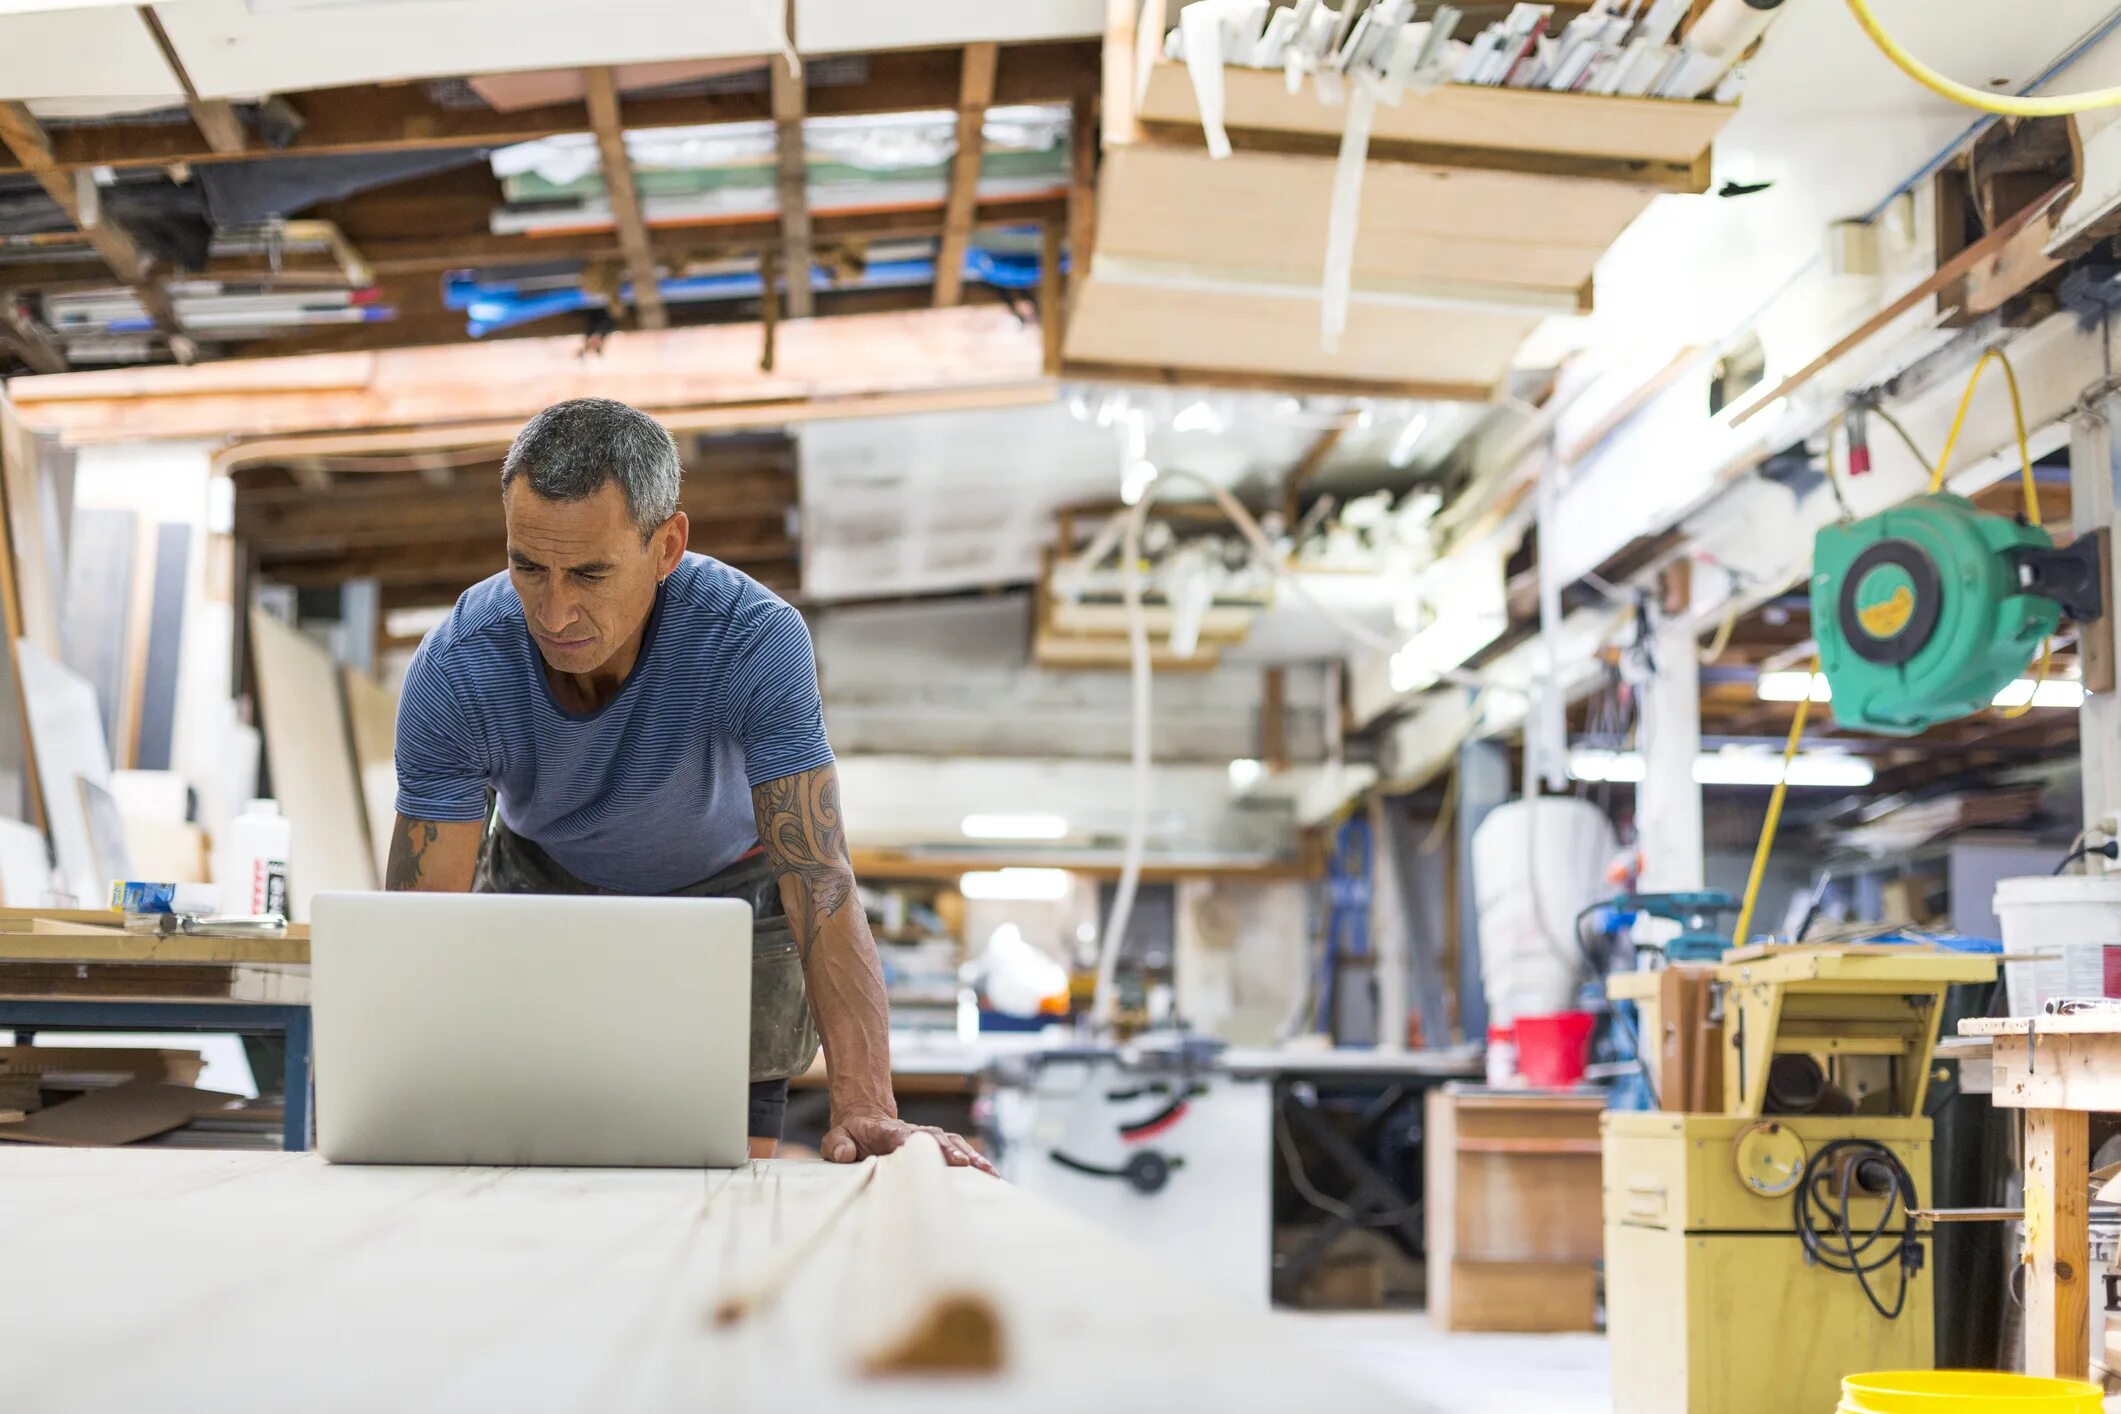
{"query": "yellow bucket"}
pixel 1964 1392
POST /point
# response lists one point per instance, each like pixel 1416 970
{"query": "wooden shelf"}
pixel 1661 143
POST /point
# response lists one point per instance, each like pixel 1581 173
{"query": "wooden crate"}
pixel 1513 1203
pixel 1656 142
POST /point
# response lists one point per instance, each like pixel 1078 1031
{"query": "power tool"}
pixel 1924 612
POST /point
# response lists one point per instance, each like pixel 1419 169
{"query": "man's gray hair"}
pixel 568 452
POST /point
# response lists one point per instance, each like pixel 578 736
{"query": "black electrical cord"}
pixel 2111 849
pixel 1841 1250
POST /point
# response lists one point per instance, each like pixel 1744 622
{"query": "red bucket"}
pixel 1552 1050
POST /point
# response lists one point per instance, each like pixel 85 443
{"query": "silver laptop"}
pixel 530 1029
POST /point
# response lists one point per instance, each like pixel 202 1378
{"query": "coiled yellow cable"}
pixel 2061 105
pixel 2025 455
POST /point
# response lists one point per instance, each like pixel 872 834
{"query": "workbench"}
pixel 77 970
pixel 165 1279
pixel 2061 1070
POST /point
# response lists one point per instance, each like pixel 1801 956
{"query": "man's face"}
pixel 586 581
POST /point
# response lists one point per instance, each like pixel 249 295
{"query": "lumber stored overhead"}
pixel 406 117
pixel 699 377
pixel 216 118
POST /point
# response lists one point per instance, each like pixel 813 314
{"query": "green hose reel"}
pixel 1923 613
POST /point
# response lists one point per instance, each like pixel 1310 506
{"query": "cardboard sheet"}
pixel 138 1109
pixel 58 1065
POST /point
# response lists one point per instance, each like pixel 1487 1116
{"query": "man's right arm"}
pixel 434 856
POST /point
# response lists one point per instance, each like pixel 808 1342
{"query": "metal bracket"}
pixel 2071 576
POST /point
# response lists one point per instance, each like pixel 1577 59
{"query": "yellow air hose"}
pixel 2061 105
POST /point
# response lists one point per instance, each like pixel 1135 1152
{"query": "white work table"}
pixel 230 1282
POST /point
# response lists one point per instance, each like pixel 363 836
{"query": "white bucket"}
pixel 2069 929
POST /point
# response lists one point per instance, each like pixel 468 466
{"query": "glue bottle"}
pixel 259 842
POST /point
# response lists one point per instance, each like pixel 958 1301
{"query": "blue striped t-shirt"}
pixel 650 792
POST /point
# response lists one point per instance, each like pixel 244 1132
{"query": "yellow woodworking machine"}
pixel 1756 1255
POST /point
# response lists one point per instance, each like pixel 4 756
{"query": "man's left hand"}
pixel 861 1136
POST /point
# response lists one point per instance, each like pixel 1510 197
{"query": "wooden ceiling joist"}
pixel 792 186
pixel 219 126
pixel 601 90
pixel 405 117
pixel 709 372
pixel 975 93
pixel 22 134
pixel 22 337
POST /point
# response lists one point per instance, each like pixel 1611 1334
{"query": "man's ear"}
pixel 670 540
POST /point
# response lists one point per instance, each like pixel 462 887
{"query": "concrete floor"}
pixel 1467 1374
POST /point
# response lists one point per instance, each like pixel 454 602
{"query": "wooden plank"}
pixel 68 745
pixel 1082 188
pixel 602 96
pixel 27 341
pixel 698 378
pixel 1521 1296
pixel 975 92
pixel 792 184
pixel 216 119
pixel 2057 1244
pixel 372 720
pixel 100 981
pixel 311 760
pixel 1644 141
pixel 525 1288
pixel 405 118
pixel 27 600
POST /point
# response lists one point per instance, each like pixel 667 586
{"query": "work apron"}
pixel 783 1034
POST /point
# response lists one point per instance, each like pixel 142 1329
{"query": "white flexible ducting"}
pixel 1344 215
pixel 1105 999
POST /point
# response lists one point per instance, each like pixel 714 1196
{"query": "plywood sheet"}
pixel 66 733
pixel 312 764
pixel 1460 115
pixel 98 607
pixel 158 689
pixel 83 54
pixel 1148 327
pixel 852 26
pixel 372 718
pixel 1266 212
pixel 234 49
pixel 138 1109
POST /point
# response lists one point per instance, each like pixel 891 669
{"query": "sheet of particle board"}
pixel 164 665
pixel 66 733
pixel 98 607
pixel 312 763
pixel 557 1289
pixel 372 716
pixel 137 1109
pixel 106 832
pixel 1427 352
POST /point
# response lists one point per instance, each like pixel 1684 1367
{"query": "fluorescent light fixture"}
pixel 1464 603
pixel 1409 438
pixel 1015 885
pixel 2055 692
pixel 1732 768
pixel 1245 773
pixel 1030 826
pixel 1790 687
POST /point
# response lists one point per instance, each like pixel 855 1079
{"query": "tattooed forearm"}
pixel 799 824
pixel 438 856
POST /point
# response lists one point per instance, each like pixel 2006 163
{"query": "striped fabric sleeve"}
pixel 774 705
pixel 440 773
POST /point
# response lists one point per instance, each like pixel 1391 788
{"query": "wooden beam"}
pixel 718 417
pixel 404 118
pixel 792 183
pixel 602 91
pixel 1082 187
pixel 975 92
pixel 22 134
pixel 2057 1244
pixel 708 374
pixel 1307 466
pixel 215 118
pixel 473 558
pixel 1087 372
pixel 1050 301
pixel 21 336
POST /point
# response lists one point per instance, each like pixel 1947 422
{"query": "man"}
pixel 621 698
